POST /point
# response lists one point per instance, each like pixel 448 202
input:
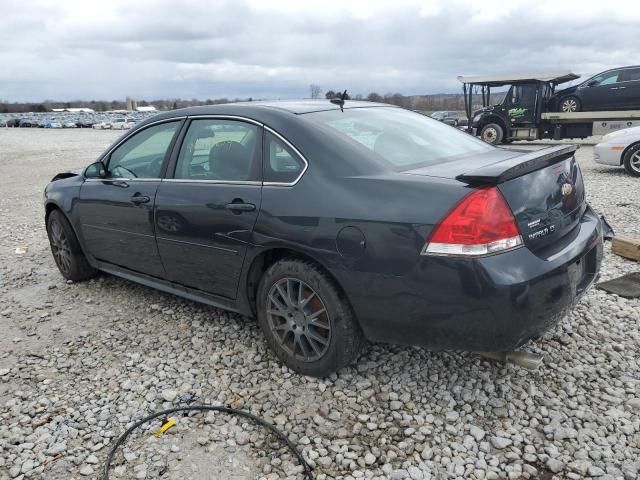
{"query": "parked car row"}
pixel 116 124
pixel 115 121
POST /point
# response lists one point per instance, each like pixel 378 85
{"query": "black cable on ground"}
pixel 232 411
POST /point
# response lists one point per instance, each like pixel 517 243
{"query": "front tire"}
pixel 66 250
pixel 306 319
pixel 631 160
pixel 492 133
pixel 570 104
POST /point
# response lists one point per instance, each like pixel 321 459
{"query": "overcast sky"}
pixel 108 49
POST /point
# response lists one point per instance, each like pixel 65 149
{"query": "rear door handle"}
pixel 239 207
pixel 138 199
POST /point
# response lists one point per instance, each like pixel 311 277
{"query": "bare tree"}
pixel 315 91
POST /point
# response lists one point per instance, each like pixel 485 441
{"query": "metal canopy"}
pixel 500 80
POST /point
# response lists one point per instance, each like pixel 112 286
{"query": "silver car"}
pixel 620 148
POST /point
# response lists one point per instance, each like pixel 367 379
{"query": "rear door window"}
pixel 281 163
pixel 219 149
pixel 631 74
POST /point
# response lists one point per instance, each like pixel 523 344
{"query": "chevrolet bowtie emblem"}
pixel 567 189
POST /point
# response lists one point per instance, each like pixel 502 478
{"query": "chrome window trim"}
pixel 122 179
pixel 227 117
pixel 229 182
pixel 216 182
pixel 296 151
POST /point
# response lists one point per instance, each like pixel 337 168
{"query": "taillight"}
pixel 481 224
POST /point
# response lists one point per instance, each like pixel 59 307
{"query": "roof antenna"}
pixel 340 100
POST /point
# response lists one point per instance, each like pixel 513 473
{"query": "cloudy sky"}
pixel 108 49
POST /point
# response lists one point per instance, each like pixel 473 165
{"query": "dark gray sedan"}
pixel 334 226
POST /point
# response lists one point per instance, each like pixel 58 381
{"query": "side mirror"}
pixel 96 170
pixel 592 83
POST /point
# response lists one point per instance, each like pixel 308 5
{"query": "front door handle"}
pixel 138 199
pixel 239 207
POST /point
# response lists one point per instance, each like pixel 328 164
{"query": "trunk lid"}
pixel 544 188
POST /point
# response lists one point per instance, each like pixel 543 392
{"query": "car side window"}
pixel 605 79
pixel 142 155
pixel 219 149
pixel 631 74
pixel 281 164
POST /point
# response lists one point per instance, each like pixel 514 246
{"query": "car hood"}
pixel 627 134
pixel 565 91
pixel 74 172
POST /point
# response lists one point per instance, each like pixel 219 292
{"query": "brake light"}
pixel 481 223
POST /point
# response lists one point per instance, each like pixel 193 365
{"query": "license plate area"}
pixel 583 271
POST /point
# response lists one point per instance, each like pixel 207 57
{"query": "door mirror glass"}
pixel 96 170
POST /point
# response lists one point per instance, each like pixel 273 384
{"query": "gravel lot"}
pixel 81 362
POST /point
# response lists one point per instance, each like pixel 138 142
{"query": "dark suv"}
pixel 616 89
pixel 450 118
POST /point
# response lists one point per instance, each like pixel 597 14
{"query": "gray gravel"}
pixel 81 362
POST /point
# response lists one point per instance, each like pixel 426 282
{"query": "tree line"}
pixel 427 103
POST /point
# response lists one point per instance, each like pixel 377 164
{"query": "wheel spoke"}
pixel 279 306
pixel 283 295
pixel 320 324
pixel 316 314
pixel 306 301
pixel 321 340
pixel 300 293
pixel 277 312
pixel 303 348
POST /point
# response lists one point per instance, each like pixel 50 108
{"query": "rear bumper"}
pixel 494 303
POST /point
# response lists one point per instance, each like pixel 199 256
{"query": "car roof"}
pixel 500 80
pixel 292 106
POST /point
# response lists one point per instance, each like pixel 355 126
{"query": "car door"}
pixel 116 212
pixel 629 88
pixel 205 214
pixel 602 91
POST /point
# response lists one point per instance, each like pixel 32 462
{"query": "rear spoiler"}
pixel 519 165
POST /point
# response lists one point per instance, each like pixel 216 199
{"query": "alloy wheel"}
pixel 60 247
pixel 569 105
pixel 634 162
pixel 298 319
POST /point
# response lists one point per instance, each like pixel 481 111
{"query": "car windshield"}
pixel 401 138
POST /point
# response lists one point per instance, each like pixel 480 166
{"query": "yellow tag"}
pixel 167 425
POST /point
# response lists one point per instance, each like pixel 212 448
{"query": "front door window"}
pixel 142 155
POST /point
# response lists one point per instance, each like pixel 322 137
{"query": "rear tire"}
pixel 492 133
pixel 306 319
pixel 570 104
pixel 66 250
pixel 631 160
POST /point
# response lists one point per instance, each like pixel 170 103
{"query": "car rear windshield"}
pixel 402 138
